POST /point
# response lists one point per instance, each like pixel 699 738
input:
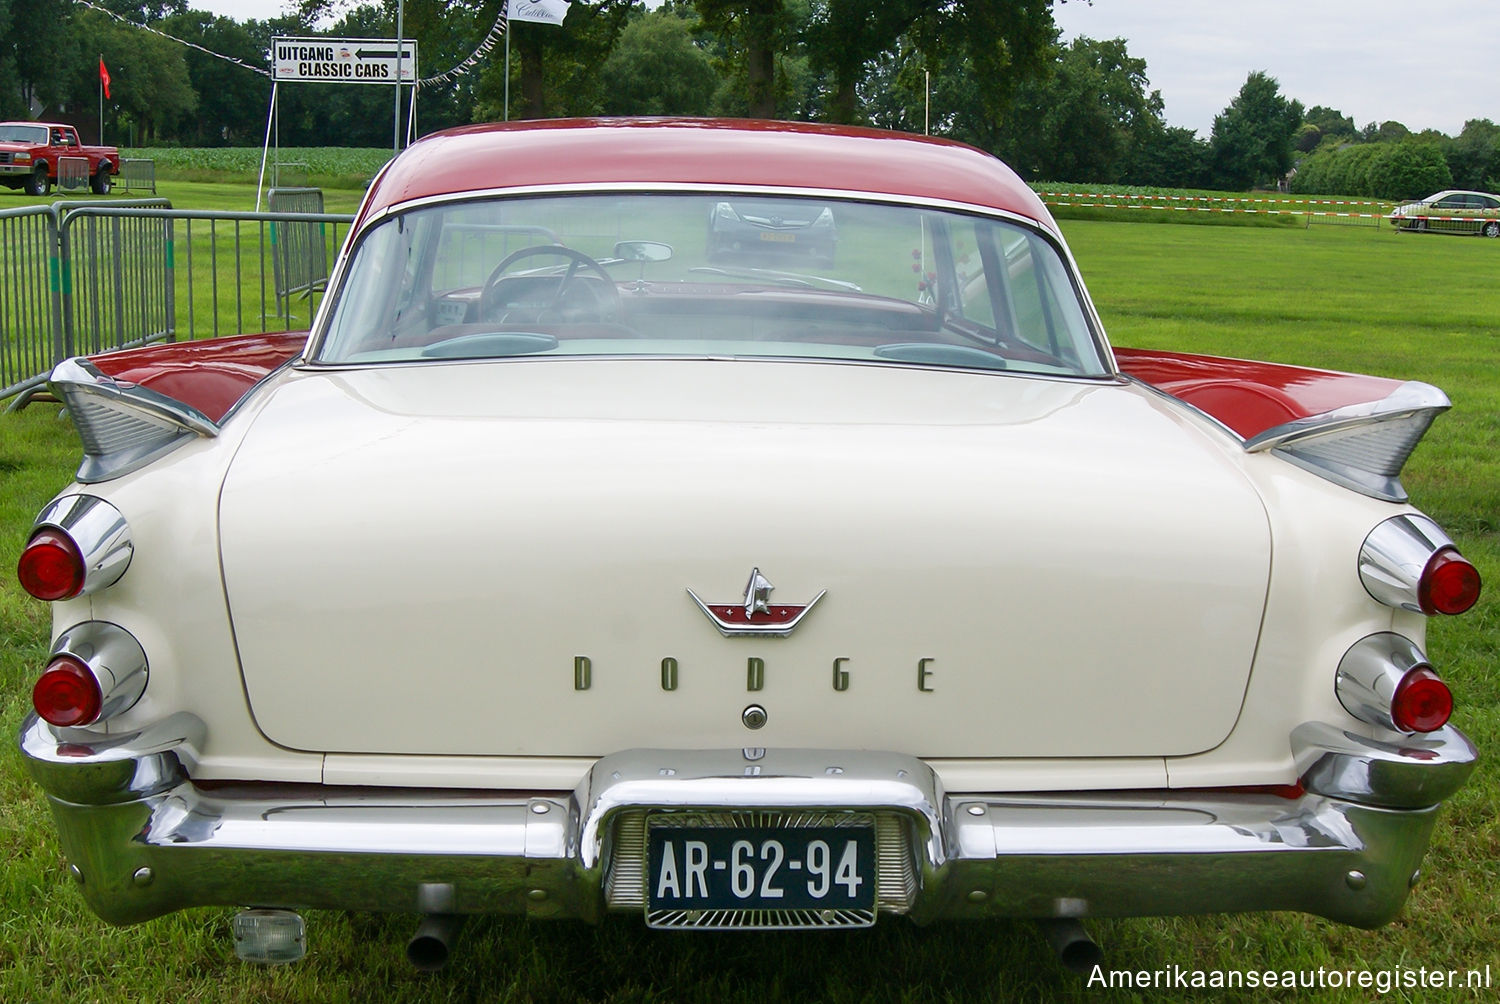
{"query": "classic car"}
pixel 1454 212
pixel 559 572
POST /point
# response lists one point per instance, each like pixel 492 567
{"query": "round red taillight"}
pixel 51 568
pixel 1449 583
pixel 1422 702
pixel 67 693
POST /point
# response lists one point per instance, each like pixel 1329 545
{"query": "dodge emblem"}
pixel 756 615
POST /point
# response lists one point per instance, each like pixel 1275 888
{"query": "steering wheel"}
pixel 605 300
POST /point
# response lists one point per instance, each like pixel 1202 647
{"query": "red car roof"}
pixel 773 155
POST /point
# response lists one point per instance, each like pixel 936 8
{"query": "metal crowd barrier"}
pixel 300 249
pixel 73 174
pixel 80 278
pixel 28 319
pixel 137 175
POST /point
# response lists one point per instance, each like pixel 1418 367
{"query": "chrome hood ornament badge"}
pixel 756 615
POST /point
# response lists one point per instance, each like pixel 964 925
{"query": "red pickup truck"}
pixel 29 152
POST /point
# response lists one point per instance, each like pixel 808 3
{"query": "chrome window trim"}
pixel 320 322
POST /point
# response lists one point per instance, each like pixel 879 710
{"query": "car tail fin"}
pixel 1361 446
pixel 123 426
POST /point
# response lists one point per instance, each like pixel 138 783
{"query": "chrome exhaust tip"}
pixel 429 948
pixel 1072 945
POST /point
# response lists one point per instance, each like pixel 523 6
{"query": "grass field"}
pixel 1404 306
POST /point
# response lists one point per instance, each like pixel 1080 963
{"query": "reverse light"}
pixel 97 670
pixel 1423 703
pixel 51 568
pixel 1408 562
pixel 67 694
pixel 1385 679
pixel 81 544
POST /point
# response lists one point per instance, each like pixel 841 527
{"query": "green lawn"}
pixel 1417 307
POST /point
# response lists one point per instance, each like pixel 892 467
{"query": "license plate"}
pixel 813 869
pixel 779 238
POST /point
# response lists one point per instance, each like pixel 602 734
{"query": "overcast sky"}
pixel 1429 65
pixel 1422 65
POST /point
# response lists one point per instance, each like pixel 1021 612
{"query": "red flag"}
pixel 103 76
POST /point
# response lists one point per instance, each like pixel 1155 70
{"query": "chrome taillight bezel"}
pixel 1371 673
pixel 1396 554
pixel 98 531
pixel 114 658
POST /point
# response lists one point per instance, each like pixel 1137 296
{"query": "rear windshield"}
pixel 721 275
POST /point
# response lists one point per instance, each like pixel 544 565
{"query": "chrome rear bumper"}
pixel 144 839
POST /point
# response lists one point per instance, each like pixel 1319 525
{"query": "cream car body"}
pixel 540 578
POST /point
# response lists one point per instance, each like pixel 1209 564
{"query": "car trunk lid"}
pixel 489 559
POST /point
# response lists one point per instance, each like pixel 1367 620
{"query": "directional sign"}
pixel 343 60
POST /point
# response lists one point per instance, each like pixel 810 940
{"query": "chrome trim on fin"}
pixel 1360 446
pixel 123 426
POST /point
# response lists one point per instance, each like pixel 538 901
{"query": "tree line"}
pixel 996 75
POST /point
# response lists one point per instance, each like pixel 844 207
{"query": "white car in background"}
pixel 1454 212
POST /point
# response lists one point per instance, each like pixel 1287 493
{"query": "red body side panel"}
pixel 1250 397
pixel 210 375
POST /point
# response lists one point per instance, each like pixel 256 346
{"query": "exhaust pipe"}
pixel 428 949
pixel 1077 952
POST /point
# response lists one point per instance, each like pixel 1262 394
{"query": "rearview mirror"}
pixel 643 251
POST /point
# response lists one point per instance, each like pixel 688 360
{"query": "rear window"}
pixel 710 275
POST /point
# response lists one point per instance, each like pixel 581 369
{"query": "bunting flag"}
pixel 103 77
pixel 540 11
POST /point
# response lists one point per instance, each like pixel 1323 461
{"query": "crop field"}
pixel 1412 307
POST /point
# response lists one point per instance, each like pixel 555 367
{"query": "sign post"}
pixel 321 60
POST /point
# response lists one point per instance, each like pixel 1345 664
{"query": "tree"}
pixel 1009 43
pixel 1251 142
pixel 759 29
pixel 1331 122
pixel 1384 132
pixel 37 42
pixel 231 99
pixel 655 69
pixel 1474 156
pixel 1407 170
pixel 1307 138
pixel 1000 45
pixel 1337 170
pixel 1086 119
pixel 555 69
pixel 150 90
pixel 1170 157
